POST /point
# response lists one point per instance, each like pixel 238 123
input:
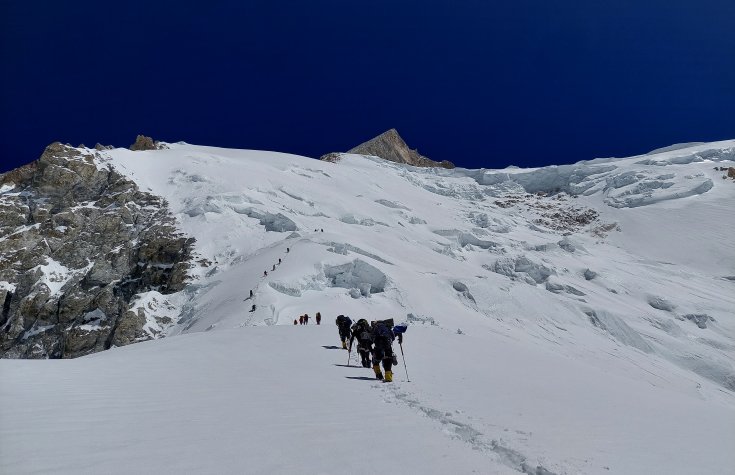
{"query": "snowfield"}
pixel 574 319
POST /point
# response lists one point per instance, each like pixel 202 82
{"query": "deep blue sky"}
pixel 524 82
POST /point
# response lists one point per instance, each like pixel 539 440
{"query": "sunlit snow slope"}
pixel 575 319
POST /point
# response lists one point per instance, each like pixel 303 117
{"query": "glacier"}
pixel 567 319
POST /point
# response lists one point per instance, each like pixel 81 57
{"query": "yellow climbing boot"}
pixel 344 345
pixel 378 374
pixel 389 376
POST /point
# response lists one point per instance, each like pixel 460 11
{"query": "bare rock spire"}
pixel 390 146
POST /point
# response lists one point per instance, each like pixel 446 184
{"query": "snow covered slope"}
pixel 575 319
pixel 282 400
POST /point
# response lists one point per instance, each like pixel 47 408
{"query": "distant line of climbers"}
pixel 304 319
pixel 265 274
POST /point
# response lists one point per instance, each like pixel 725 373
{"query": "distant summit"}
pixel 390 146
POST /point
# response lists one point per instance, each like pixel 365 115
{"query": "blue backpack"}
pixel 382 332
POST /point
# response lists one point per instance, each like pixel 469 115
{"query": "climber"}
pixel 361 332
pixel 383 337
pixel 318 318
pixel 343 325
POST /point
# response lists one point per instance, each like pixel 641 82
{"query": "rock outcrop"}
pixel 146 143
pixel 78 242
pixel 390 146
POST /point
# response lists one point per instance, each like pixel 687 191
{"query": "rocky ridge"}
pixel 143 142
pixel 79 243
pixel 390 146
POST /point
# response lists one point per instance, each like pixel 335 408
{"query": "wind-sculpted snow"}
pixel 572 179
pixel 700 319
pixel 391 204
pixel 344 249
pixel 621 188
pixel 464 290
pixel 296 197
pixel 557 287
pixel 522 268
pixel 570 245
pixel 351 219
pixel 714 155
pixel 416 220
pixel 660 303
pixel 643 188
pixel 271 222
pixel 464 238
pixel 284 288
pixel 411 318
pixel 625 183
pixel 618 329
pixel 494 224
pixel 356 275
pixel 718 370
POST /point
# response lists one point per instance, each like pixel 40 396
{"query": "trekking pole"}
pixel 404 361
pixel 349 354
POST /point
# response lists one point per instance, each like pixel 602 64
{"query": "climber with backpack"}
pixel 383 336
pixel 343 325
pixel 361 332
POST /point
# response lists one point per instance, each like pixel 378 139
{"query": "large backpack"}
pixel 344 322
pixel 362 331
pixel 383 334
pixel 388 322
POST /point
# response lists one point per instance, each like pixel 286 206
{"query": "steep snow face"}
pixel 571 319
pixel 560 254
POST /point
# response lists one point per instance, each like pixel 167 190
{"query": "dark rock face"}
pixel 144 143
pixel 390 146
pixel 77 242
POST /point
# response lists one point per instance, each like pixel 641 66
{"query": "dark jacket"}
pixel 362 332
pixel 343 323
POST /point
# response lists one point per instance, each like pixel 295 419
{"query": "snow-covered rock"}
pixel 77 239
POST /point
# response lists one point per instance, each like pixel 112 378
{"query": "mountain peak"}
pixel 390 146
